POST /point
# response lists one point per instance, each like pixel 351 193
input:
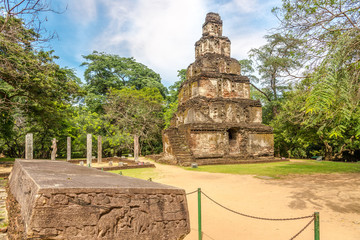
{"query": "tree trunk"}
pixel 328 152
pixel 275 111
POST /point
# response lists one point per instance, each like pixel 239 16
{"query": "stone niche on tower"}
pixel 216 121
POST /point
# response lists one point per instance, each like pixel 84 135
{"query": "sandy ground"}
pixel 335 196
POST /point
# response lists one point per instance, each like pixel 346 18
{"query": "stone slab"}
pixel 59 200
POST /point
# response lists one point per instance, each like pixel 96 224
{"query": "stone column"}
pixel 99 149
pixel 54 149
pixel 68 149
pixel 89 150
pixel 136 148
pixel 29 146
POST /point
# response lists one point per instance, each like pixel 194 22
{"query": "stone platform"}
pixel 59 200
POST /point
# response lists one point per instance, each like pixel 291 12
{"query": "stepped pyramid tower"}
pixel 216 121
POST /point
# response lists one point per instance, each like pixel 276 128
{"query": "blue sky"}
pixel 158 33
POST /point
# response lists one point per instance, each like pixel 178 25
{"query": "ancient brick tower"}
pixel 216 121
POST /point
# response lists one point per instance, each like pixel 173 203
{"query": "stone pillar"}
pixel 136 148
pixel 54 149
pixel 68 149
pixel 89 150
pixel 99 149
pixel 29 147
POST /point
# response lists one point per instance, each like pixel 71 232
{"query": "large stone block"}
pixel 208 143
pixel 261 144
pixel 59 200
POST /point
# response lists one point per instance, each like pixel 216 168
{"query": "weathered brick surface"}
pixel 59 200
pixel 216 120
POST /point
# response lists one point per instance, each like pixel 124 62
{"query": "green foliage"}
pixel 321 115
pixel 248 70
pixel 318 114
pixel 122 92
pixel 274 62
pixel 169 113
pixel 174 89
pixel 38 96
pixel 7 159
pixel 292 139
pixel 139 112
pixel 35 93
pixel 172 98
pixel 105 71
pixel 320 23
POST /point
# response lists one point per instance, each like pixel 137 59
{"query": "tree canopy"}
pixel 319 115
pixel 137 112
pixel 35 93
pixel 306 76
pixel 105 71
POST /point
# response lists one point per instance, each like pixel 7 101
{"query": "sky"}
pixel 158 33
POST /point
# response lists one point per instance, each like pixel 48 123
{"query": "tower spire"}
pixel 212 40
pixel 212 25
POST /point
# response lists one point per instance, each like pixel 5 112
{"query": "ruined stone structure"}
pixel 216 121
pixel 60 200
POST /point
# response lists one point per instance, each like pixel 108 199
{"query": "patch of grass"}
pixel 7 159
pixel 142 173
pixel 279 169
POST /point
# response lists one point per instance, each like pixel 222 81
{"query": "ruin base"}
pixel 59 200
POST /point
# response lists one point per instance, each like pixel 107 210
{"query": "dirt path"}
pixel 335 196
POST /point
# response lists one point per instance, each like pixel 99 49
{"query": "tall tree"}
pixel 326 103
pixel 333 104
pixel 34 91
pixel 105 71
pixel 274 62
pixel 137 113
pixel 319 23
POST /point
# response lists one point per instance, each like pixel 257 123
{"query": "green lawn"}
pixel 142 173
pixel 279 169
pixel 7 159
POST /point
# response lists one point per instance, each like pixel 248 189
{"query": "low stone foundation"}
pixel 59 200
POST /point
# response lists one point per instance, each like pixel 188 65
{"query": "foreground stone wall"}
pixel 59 200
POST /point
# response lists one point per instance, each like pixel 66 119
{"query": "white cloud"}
pixel 161 33
pixel 242 44
pixel 240 6
pixel 83 11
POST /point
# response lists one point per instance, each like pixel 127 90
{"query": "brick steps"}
pixel 179 146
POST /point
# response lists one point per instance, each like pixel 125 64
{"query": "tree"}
pixel 172 98
pixel 320 115
pixel 34 91
pixel 274 63
pixel 105 71
pixel 323 112
pixel 291 137
pixel 137 113
pixel 333 105
pixel 319 23
pixel 25 9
